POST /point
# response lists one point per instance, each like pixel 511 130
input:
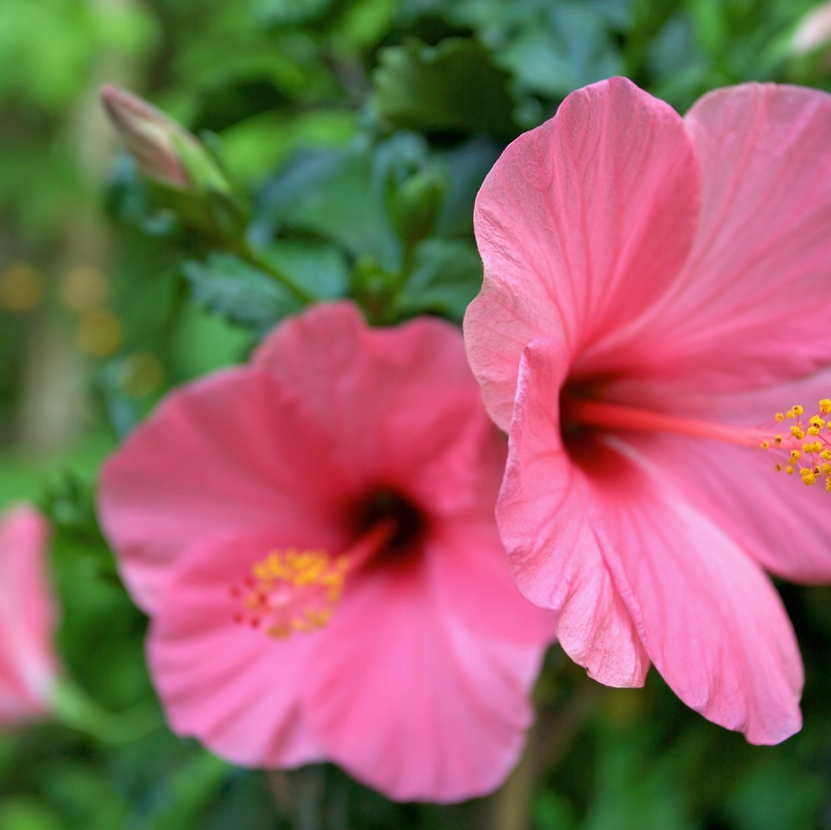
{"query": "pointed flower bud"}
pixel 163 150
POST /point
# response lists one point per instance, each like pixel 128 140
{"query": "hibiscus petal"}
pixel 235 688
pixel 472 578
pixel 777 521
pixel 413 703
pixel 185 475
pixel 602 197
pixel 758 278
pixel 553 538
pixel 28 664
pixel 712 623
pixel 403 397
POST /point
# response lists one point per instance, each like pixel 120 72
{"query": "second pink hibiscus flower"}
pixel 313 536
pixel 655 288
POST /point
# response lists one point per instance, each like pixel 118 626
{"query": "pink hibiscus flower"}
pixel 28 665
pixel 656 289
pixel 313 536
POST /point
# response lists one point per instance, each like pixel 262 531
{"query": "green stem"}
pixel 73 708
pixel 244 251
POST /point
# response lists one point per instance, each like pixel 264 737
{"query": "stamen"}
pixel 600 413
pixel 295 590
pixel 812 459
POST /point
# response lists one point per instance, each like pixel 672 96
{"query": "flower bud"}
pixel 163 150
pixel 415 206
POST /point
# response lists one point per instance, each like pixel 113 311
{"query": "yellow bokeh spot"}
pixel 100 333
pixel 22 287
pixel 84 288
pixel 141 374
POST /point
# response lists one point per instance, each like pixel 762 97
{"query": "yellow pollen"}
pixel 292 591
pixel 808 476
pixel 813 460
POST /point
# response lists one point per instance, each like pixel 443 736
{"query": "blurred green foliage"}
pixel 356 133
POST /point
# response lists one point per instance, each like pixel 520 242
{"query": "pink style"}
pixel 28 664
pixel 656 295
pixel 313 536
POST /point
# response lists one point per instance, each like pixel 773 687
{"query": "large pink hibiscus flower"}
pixel 655 289
pixel 28 665
pixel 313 536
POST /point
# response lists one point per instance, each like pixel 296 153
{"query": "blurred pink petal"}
pixel 813 31
pixel 646 300
pixel 239 694
pixel 369 453
pixel 28 665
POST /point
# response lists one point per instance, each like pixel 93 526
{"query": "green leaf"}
pixel 363 23
pixel 450 88
pixel 571 49
pixel 776 796
pixel 26 814
pixel 255 146
pixel 282 12
pixel 318 269
pixel 227 286
pixel 335 195
pixel 446 277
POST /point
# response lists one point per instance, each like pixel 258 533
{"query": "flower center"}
pixel 385 504
pixel 294 590
pixel 805 446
